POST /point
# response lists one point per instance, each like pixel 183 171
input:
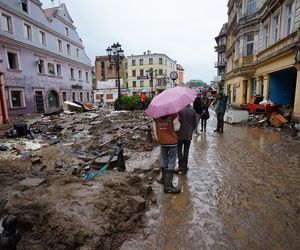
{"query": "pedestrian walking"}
pixel 187 118
pixel 167 138
pixel 204 114
pixel 220 111
pixel 197 105
pixel 143 100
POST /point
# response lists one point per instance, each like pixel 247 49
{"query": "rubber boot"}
pixel 180 166
pixel 168 182
pixel 161 180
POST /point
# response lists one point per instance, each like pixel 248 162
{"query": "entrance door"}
pixel 39 102
pixel 53 99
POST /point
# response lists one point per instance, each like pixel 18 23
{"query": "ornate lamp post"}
pixel 151 73
pixel 116 56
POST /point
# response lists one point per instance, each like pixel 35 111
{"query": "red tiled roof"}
pixel 50 11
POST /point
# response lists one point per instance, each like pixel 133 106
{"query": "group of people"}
pixel 174 133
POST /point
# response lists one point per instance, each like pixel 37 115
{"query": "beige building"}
pixel 262 52
pixel 138 72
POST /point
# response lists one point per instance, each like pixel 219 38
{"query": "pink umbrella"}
pixel 170 101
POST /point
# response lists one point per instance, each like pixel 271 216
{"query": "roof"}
pixel 50 12
pixel 223 32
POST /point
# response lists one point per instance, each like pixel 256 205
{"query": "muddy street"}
pixel 242 191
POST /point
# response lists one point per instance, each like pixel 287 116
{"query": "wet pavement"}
pixel 242 191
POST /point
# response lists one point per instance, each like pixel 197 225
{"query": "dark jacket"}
pixel 187 118
pixel 205 112
pixel 197 105
pixel 221 104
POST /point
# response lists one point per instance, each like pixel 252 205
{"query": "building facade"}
pixel 263 52
pixel 43 57
pixel 220 48
pixel 138 72
pixel 3 104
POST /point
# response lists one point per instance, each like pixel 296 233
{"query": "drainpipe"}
pixel 3 109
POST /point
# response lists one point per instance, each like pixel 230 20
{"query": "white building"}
pixel 138 72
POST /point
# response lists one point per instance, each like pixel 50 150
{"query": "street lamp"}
pixel 151 73
pixel 116 56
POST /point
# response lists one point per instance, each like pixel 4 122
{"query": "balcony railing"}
pixel 220 48
pixel 219 64
pixel 244 61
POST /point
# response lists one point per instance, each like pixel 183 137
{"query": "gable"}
pixel 63 13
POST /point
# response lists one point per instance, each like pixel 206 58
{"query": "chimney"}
pixel 149 52
pixel 145 53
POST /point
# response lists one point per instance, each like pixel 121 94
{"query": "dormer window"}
pixel 67 31
pixel 24 4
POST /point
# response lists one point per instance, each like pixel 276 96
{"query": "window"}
pixel 51 70
pixel 133 73
pixel 59 45
pixel 141 72
pixel 151 61
pixel 221 57
pixel 73 96
pixel 24 5
pixel 133 63
pixel 234 94
pixel 69 49
pixel 71 73
pixel 77 53
pixel 237 49
pixel 266 36
pixel 67 31
pixel 17 98
pixel 27 31
pixel 160 61
pixel 250 43
pixel 253 90
pixel 80 74
pixel 275 28
pixel 87 76
pixel 13 60
pixel 141 61
pixel 88 96
pixel 81 96
pixel 109 96
pixel 160 72
pixel 7 23
pixel 58 70
pixel 43 38
pixel 288 18
pixel 133 84
pixel 142 83
pixel 251 6
pixel 41 66
pixel 64 96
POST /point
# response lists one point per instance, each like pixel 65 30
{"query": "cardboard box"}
pixel 277 120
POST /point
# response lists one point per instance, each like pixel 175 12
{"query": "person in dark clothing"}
pixel 220 111
pixel 9 238
pixel 197 106
pixel 205 114
pixel 187 118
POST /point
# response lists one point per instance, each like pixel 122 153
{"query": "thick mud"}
pixel 242 191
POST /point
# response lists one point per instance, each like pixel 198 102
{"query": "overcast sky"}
pixel 183 30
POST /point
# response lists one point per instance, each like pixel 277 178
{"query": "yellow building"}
pixel 262 53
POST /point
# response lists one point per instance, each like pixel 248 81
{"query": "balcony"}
pixel 244 61
pixel 219 64
pixel 220 48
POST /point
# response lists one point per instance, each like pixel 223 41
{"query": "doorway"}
pixel 53 99
pixel 39 102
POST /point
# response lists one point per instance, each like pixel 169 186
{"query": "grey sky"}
pixel 184 30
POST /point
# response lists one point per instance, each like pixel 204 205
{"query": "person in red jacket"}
pixel 143 100
pixel 167 138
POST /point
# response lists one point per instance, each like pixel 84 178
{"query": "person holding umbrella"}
pixel 163 108
pixel 167 138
